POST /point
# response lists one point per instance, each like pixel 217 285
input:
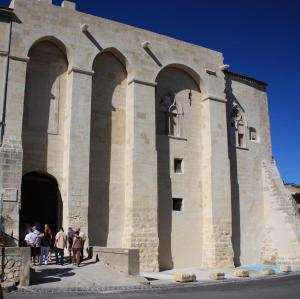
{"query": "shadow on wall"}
pixel 106 89
pixel 164 203
pixel 41 104
pixel 235 192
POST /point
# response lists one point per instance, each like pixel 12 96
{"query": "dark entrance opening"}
pixel 40 202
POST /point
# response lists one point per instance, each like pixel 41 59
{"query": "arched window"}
pixel 253 134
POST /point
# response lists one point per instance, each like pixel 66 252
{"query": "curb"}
pixel 147 287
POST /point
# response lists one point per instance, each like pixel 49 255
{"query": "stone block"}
pixel 121 259
pixel 18 274
pixel 272 260
pixel 268 271
pixel 216 275
pixel 241 273
pixel 285 268
pixel 184 277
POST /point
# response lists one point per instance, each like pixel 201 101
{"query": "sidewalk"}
pixel 92 277
pixel 202 275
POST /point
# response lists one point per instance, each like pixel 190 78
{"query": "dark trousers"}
pixel 59 256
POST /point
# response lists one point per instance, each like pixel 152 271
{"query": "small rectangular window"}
pixel 178 166
pixel 177 204
pixel 241 140
pixel 253 134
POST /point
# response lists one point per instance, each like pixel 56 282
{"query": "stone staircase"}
pixel 285 202
pixel 282 219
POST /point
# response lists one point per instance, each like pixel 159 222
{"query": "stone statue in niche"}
pixel 170 118
pixel 238 124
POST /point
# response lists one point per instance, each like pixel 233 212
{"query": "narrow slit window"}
pixel 241 135
pixel 177 204
pixel 178 165
pixel 241 140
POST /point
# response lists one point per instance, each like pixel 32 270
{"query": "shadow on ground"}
pixel 41 276
pixel 54 273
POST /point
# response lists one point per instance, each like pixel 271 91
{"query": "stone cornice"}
pixel 246 78
pixel 19 58
pixel 13 57
pixel 215 99
pixel 3 53
pixel 81 71
pixel 6 12
pixel 153 84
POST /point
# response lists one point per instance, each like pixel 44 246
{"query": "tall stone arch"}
pixel 107 150
pixel 44 110
pixel 178 98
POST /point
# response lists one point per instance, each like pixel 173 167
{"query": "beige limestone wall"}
pixel 4 45
pixel 11 149
pixel 140 222
pixel 40 21
pixel 217 217
pixel 75 187
pixel 5 30
pixel 247 186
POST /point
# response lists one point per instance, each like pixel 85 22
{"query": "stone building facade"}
pixel 140 140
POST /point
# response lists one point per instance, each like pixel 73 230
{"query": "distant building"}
pixel 141 140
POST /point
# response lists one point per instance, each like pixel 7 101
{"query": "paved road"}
pixel 287 287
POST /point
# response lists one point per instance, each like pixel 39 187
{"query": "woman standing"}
pixel 45 245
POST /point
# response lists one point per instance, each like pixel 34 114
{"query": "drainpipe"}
pixel 2 123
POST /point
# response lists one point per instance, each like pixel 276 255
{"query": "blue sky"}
pixel 258 38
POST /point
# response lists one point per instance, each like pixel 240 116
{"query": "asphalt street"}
pixel 287 287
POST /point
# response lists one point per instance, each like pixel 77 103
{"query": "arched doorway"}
pixel 40 201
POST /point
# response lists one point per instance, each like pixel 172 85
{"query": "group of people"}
pixel 42 242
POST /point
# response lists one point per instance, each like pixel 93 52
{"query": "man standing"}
pixel 60 244
pixel 30 240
